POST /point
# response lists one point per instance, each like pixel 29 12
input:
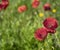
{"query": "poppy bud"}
pixel 50 23
pixel 22 8
pixel 47 6
pixel 40 34
pixel 35 4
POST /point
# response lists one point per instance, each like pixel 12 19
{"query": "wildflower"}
pixel 41 14
pixel 50 23
pixel 47 6
pixel 22 8
pixel 5 4
pixel 54 10
pixel 35 3
pixel 40 34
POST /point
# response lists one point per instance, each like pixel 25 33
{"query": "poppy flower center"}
pixel 47 8
pixel 39 35
pixel 50 25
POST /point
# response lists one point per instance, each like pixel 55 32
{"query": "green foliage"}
pixel 17 30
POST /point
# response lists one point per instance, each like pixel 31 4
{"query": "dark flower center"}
pixel 47 8
pixel 39 35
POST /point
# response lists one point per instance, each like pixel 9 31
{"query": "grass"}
pixel 17 30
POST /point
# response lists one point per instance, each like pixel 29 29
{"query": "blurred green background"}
pixel 17 29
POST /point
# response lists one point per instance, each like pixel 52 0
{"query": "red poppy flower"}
pixel 50 23
pixel 40 34
pixel 35 4
pixel 47 6
pixel 22 8
pixel 5 4
pixel 4 0
pixel 1 7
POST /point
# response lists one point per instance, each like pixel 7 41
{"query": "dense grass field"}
pixel 17 29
